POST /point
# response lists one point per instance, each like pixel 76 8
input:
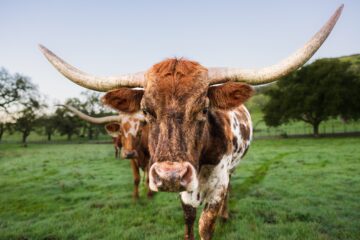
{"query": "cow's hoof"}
pixel 189 237
pixel 135 197
pixel 224 217
pixel 150 195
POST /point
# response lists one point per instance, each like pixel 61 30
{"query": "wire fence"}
pixel 327 129
pixel 262 131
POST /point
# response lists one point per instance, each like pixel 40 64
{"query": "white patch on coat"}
pixel 214 180
pixel 134 120
pixel 249 122
pixel 238 118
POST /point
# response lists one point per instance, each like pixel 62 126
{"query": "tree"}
pixel 66 123
pixel 28 119
pixel 27 108
pixel 13 91
pixel 91 105
pixel 13 88
pixel 317 92
pixel 48 124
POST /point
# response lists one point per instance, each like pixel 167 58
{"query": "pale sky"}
pixel 115 37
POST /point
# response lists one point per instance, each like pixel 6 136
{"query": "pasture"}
pixel 283 189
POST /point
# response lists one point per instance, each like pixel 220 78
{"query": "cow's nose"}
pixel 128 154
pixel 171 176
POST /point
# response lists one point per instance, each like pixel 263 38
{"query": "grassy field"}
pixel 283 189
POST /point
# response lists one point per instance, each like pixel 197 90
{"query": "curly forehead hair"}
pixel 174 66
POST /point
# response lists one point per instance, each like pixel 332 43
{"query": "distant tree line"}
pixel 23 109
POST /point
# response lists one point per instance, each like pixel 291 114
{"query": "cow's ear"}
pixel 113 129
pixel 229 95
pixel 124 99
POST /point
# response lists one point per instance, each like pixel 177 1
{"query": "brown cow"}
pixel 198 126
pixel 128 131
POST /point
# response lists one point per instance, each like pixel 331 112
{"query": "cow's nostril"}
pixel 129 154
pixel 159 183
pixel 186 177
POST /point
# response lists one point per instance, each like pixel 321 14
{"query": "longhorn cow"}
pixel 199 128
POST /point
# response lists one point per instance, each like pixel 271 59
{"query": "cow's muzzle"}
pixel 172 177
pixel 126 154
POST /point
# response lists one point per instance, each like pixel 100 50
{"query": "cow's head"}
pixel 178 103
pixel 178 99
pixel 127 102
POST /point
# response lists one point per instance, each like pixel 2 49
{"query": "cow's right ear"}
pixel 113 129
pixel 229 95
pixel 124 99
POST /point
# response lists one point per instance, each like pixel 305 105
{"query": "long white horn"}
pixel 83 79
pixel 286 66
pixel 95 120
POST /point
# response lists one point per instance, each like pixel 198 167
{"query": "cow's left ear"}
pixel 113 129
pixel 229 95
pixel 124 99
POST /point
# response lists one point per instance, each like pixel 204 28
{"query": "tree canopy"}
pixel 13 89
pixel 325 89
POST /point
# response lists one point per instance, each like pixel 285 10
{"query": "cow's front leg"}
pixel 189 215
pixel 224 211
pixel 208 219
pixel 136 175
pixel 150 193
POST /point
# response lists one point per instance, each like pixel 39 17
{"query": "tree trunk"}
pixel 316 129
pixel 24 137
pixel 2 130
pixel 97 134
pixel 49 137
pixel 90 133
pixel 69 136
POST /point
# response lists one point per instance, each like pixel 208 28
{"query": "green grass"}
pixel 283 189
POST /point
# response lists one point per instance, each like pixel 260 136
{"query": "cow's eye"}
pixel 148 113
pixel 205 110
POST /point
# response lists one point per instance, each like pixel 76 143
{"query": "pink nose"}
pixel 171 176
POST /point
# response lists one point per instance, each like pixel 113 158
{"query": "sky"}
pixel 115 37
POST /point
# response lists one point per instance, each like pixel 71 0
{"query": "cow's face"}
pixel 131 133
pixel 177 103
pixel 131 119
